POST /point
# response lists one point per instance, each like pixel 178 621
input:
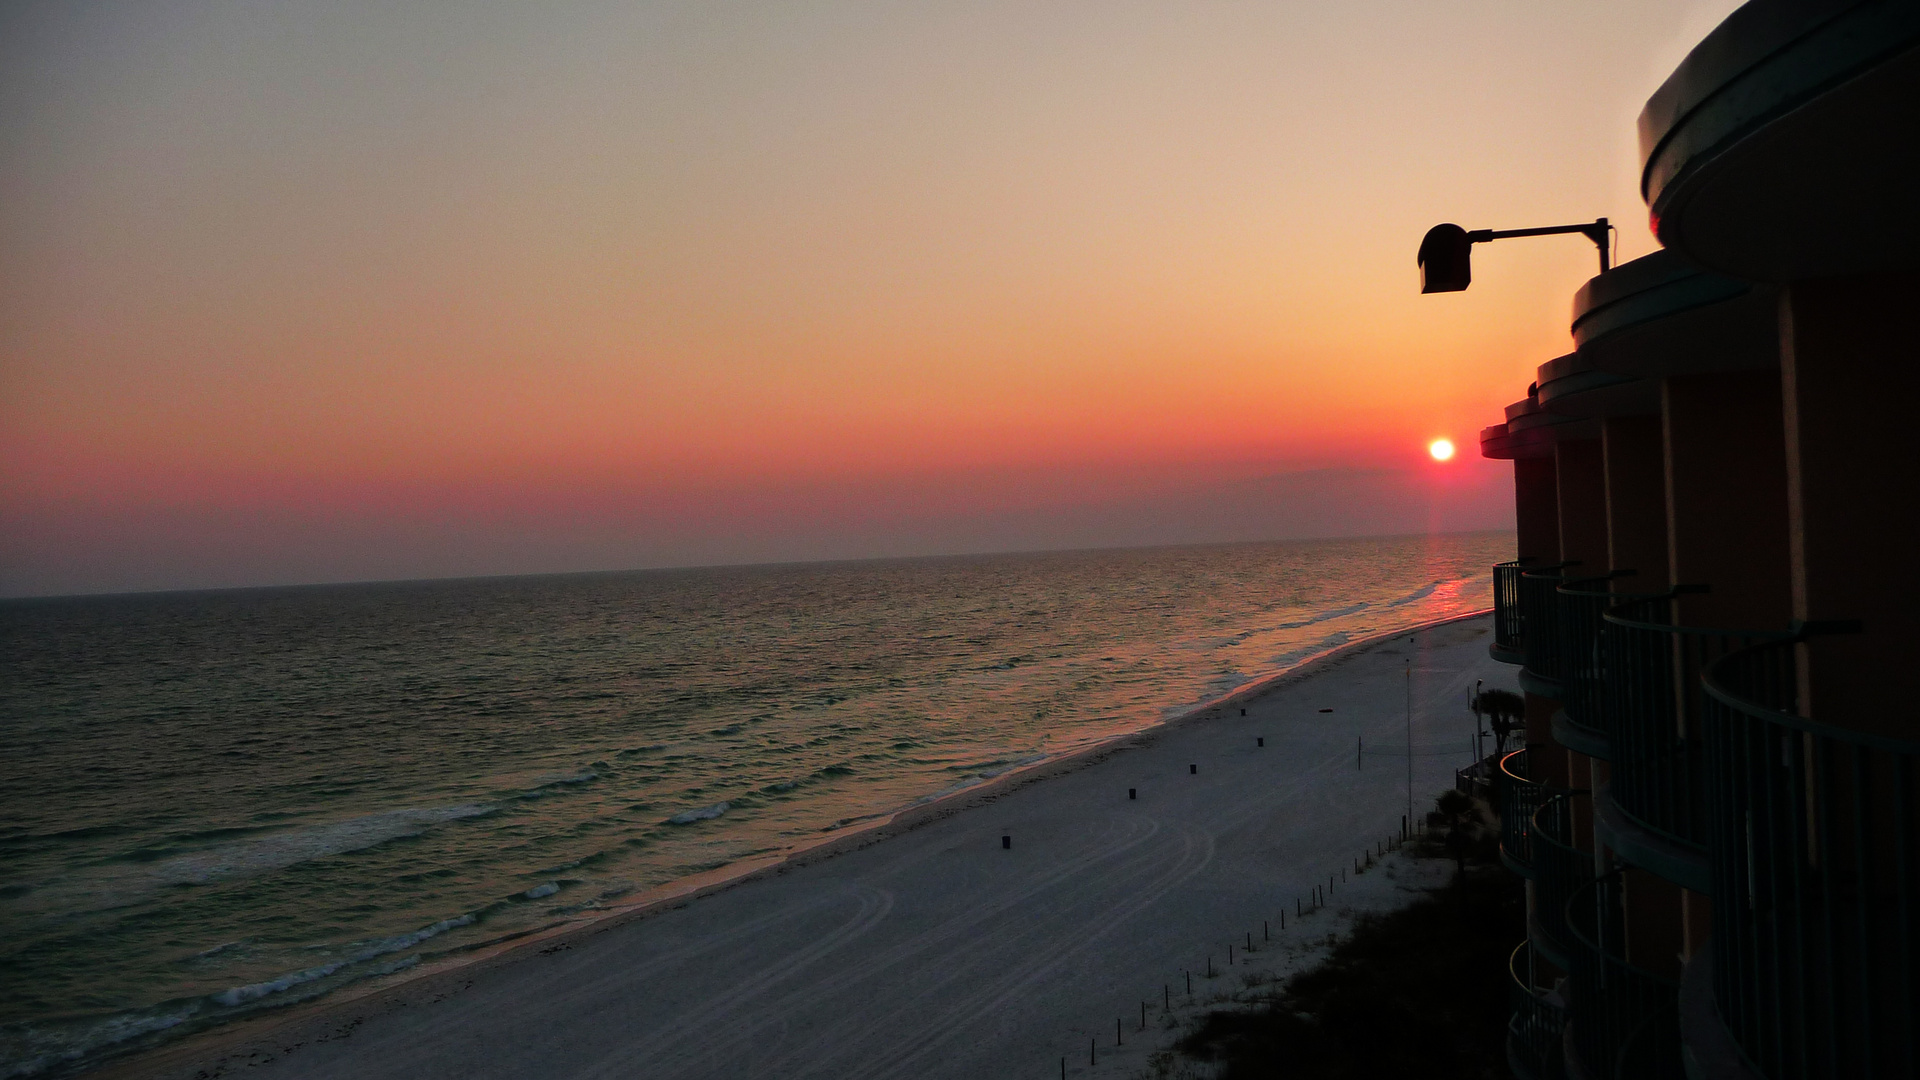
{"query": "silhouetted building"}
pixel 1717 811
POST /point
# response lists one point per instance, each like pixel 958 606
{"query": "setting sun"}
pixel 1441 449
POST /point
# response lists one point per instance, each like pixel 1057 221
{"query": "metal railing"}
pixel 1624 1018
pixel 1560 869
pixel 1509 626
pixel 1534 1030
pixel 1814 845
pixel 1519 798
pixel 1579 604
pixel 1653 704
pixel 1540 626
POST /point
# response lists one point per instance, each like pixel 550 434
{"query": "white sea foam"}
pixel 702 814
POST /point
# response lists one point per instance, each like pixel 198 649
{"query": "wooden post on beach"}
pixel 1189 984
pixel 1117 1039
pixel 1359 750
pixel 1260 741
pixel 1265 934
pixel 1093 1052
pixel 1166 998
pixel 1229 955
pixel 1249 941
pixel 1130 793
pixel 1193 770
pixel 1063 1069
pixel 1143 1016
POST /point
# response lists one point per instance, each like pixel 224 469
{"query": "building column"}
pixel 1851 370
pixel 1536 509
pixel 1582 482
pixel 1726 489
pixel 1636 501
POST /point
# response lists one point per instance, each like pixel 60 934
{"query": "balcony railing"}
pixel 1508 622
pixel 1654 704
pixel 1623 1019
pixel 1540 627
pixel 1814 844
pixel 1560 869
pixel 1579 604
pixel 1539 1017
pixel 1519 798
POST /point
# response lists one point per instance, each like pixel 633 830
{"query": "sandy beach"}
pixel 928 948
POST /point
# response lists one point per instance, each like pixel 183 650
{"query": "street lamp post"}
pixel 1446 252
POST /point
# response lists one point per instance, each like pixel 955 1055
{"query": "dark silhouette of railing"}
pixel 1654 706
pixel 1560 869
pixel 1814 844
pixel 1534 1030
pixel 1509 625
pixel 1519 798
pixel 1579 604
pixel 1540 625
pixel 1617 1012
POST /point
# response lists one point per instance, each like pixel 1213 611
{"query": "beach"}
pixel 992 933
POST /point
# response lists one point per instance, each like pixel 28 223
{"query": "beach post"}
pixel 1260 740
pixel 1193 770
pixel 1166 998
pixel 1118 1039
pixel 1209 967
pixel 1189 984
pixel 1249 941
pixel 1063 1069
pixel 1229 955
pixel 1093 1052
pixel 1283 913
pixel 1266 934
pixel 1006 843
pixel 1143 1016
pixel 1296 911
pixel 1131 793
pixel 1243 712
pixel 1359 751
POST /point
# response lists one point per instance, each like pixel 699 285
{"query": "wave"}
pixel 705 813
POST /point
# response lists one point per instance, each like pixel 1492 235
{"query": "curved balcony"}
pixel 1622 1020
pixel 1519 798
pixel 1814 835
pixel 1508 625
pixel 1653 811
pixel 1539 1018
pixel 1560 869
pixel 1540 629
pixel 1581 723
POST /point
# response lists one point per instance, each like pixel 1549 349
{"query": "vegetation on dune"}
pixel 1419 992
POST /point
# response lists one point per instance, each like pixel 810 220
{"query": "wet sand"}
pixel 924 948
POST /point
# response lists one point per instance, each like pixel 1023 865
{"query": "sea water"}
pixel 221 802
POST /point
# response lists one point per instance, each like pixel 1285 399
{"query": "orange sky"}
pixel 298 292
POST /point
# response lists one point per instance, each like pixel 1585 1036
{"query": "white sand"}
pixel 935 953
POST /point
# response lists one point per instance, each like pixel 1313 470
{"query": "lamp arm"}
pixel 1596 231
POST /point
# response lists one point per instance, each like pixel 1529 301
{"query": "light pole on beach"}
pixel 1409 746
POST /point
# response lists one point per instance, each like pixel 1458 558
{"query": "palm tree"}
pixel 1503 710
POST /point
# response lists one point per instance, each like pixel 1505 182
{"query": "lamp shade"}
pixel 1445 258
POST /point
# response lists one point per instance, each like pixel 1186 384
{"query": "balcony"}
pixel 1508 624
pixel 1814 840
pixel 1622 1020
pixel 1519 798
pixel 1539 1018
pixel 1560 870
pixel 1581 723
pixel 1653 811
pixel 1540 629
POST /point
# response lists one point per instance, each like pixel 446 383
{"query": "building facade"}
pixel 1717 810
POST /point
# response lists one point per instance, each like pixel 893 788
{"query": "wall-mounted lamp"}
pixel 1446 252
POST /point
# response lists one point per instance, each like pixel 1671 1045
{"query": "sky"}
pixel 297 292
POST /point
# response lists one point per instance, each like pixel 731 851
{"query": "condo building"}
pixel 1717 808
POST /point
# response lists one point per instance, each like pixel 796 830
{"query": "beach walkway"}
pixel 937 952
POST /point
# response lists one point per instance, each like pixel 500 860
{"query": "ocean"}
pixel 216 803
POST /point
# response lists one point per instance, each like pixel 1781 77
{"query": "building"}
pixel 1717 811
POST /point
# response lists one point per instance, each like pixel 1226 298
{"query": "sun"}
pixel 1441 449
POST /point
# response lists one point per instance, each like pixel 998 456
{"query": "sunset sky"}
pixel 297 292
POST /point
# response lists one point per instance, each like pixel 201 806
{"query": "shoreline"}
pixel 267 1034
